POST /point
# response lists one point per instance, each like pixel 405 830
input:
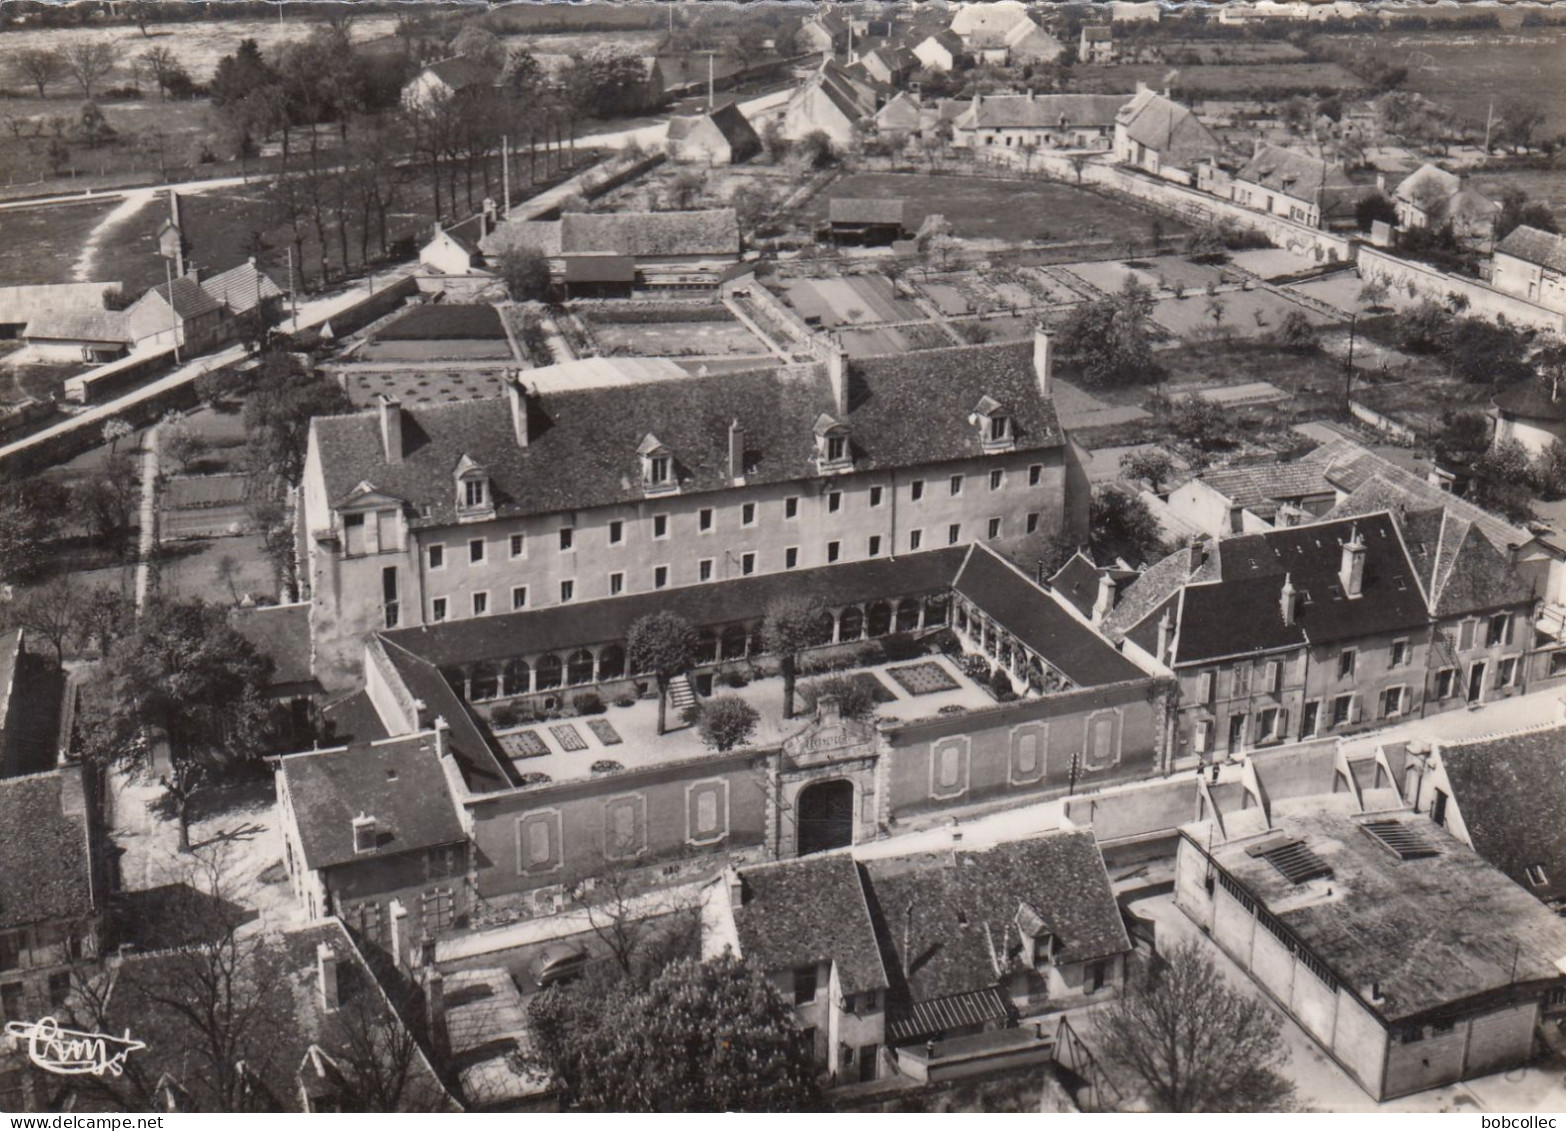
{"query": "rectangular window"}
pixel 915 538
pixel 519 596
pixel 476 551
pixel 1242 682
pixel 1203 737
pixel 616 532
pixel 518 545
pixel 1341 707
pixel 1035 475
pixel 956 485
pixel 954 534
pixel 837 449
pixel 875 546
pixel 1033 522
pixel 833 549
pixel 1506 675
pixel 566 536
pixel 567 591
pixel 660 526
pixel 704 520
pixel 791 557
pixel 1205 684
pixel 1446 683
pixel 1536 874
pixel 616 583
pixel 390 608
pixel 660 577
pixel 473 492
pixel 1267 729
pixel 1465 640
pixel 997 477
pixel 438 609
pixel 791 507
pixel 1500 630
pixel 875 496
pixel 748 514
pixel 353 534
pixel 1274 677
pixel 658 470
pixel 1308 719
pixel 704 569
pixel 995 528
pixel 1346 663
pixel 1399 654
pixel 480 603
pixel 916 490
pixel 747 564
pixel 804 985
pixel 834 502
pixel 437 556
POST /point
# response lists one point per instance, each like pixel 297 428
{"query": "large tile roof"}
pixel 81 325
pixel 189 300
pixel 482 770
pixel 398 781
pixel 1511 791
pixel 907 410
pixel 1168 128
pixel 1293 173
pixel 241 288
pixel 45 871
pixel 1534 246
pixel 1259 484
pixel 1044 111
pixel 806 912
pixel 1031 615
pixel 281 632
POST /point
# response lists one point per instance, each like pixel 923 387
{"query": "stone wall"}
pixel 1437 285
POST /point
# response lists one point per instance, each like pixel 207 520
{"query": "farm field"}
pixel 438 350
pixel 40 245
pixel 678 339
pixel 1547 186
pixel 1246 314
pixel 848 300
pixel 181 129
pixel 981 208
pixel 1264 80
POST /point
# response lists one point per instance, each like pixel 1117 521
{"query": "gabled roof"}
pixel 45 872
pixel 904 410
pixel 1076 582
pixel 1532 245
pixel 20 305
pixel 1265 483
pixel 463 71
pixel 482 770
pixel 865 210
pixel 397 781
pixel 947 39
pixel 241 288
pixel 189 300
pixel 77 326
pixel 808 912
pixel 1168 128
pixel 714 231
pixel 281 632
pixel 1511 791
pixel 1466 574
pixel 1043 111
pixel 1294 174
pixel 1031 615
pixel 1428 178
pixel 1534 399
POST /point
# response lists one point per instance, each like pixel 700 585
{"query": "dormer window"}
pixel 836 449
pixel 473 493
pixel 475 500
pixel 994 424
pixel 658 473
pixel 832 448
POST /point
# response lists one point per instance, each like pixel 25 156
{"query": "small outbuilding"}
pixel 865 222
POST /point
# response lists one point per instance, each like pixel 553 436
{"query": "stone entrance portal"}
pixel 826 816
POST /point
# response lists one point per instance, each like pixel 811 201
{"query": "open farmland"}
pixel 982 208
pixel 1261 80
pixel 40 245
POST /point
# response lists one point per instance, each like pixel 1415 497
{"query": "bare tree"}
pixel 791 624
pixel 40 66
pixel 631 924
pixel 161 62
pixel 89 61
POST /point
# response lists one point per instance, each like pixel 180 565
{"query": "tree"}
pixel 106 504
pixel 30 513
pixel 1483 352
pixel 1197 1044
pixel 257 327
pixel 40 67
pixel 816 150
pixel 704 1036
pixel 525 272
pixel 114 430
pixel 89 61
pixel 1520 121
pixel 239 75
pixel 1121 526
pixel 607 83
pixel 662 645
pixel 163 64
pixel 1503 481
pixel 1296 331
pixel 1372 207
pixel 1199 421
pixel 184 444
pixel 854 700
pixel 1107 338
pixel 1151 464
pixel 184 675
pixel 1373 292
pixel 283 401
pixel 92 127
pixel 790 624
pixel 481 45
pixel 1216 309
pixel 1516 210
pixel 686 188
pixel 1424 328
pixel 727 721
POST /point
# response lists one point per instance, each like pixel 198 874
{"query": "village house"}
pixel 21 305
pixel 1505 797
pixel 1377 933
pixel 447 79
pixel 178 314
pixel 823 32
pixel 1042 121
pixel 1004 34
pixel 1430 197
pixel 1162 137
pixel 455 250
pixel 835 101
pixel 1309 630
pixel 666 251
pixel 906 964
pixel 1532 413
pixel 902 116
pixel 1308 190
pixel 890 65
pixel 942 52
pixel 241 289
pixel 1531 264
pixel 722 137
pixel 865 222
pixel 79 335
pixel 417 515
pixel 1096 44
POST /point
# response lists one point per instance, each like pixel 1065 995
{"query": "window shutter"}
pixel 1283 722
pixel 1204 736
pixel 1356 708
pixel 1506 630
pixel 1274 676
pixel 1466 639
pixel 1204 687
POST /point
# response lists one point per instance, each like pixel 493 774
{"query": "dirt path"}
pixel 132 203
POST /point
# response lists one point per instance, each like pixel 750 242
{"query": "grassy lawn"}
pixel 185 127
pixel 196 569
pixel 1263 80
pixel 980 208
pixel 40 245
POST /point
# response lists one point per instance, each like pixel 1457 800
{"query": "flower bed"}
pixel 925 678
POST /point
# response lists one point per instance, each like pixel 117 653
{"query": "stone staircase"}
pixel 680 693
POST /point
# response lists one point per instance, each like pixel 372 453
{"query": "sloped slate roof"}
pixel 1295 174
pixel 241 288
pixel 904 410
pixel 1534 246
pixel 462 71
pixel 189 300
pixel 1167 127
pixel 281 632
pixel 1474 576
pixel 1511 791
pixel 77 326
pixel 1032 616
pixel 810 911
pixel 482 770
pixel 399 782
pixel 1045 111
pixel 44 870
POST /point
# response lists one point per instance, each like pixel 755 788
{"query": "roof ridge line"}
pixel 1491 736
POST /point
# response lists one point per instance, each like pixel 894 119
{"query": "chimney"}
pixel 435 1012
pixel 399 929
pixel 837 373
pixel 391 427
pixel 1512 549
pixel 517 396
pixel 1288 600
pixel 1198 554
pixel 1381 183
pixel 828 710
pixel 1043 360
pixel 1142 88
pixel 1106 598
pixel 1352 572
pixel 326 966
pixel 363 832
pixel 736 454
pixel 1165 635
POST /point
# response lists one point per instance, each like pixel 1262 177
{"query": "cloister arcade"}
pixel 1028 670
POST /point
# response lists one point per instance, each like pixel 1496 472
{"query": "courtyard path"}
pixel 130 203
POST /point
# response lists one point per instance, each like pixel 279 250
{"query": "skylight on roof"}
pixel 1406 841
pixel 1292 859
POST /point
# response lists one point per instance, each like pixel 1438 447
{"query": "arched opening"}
pixel 880 618
pixel 516 675
pixel 907 614
pixel 579 669
pixel 962 619
pixel 852 624
pixel 935 609
pixel 484 682
pixel 456 679
pixel 734 642
pixel 826 625
pixel 549 672
pixel 826 816
pixel 611 662
pixel 706 647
